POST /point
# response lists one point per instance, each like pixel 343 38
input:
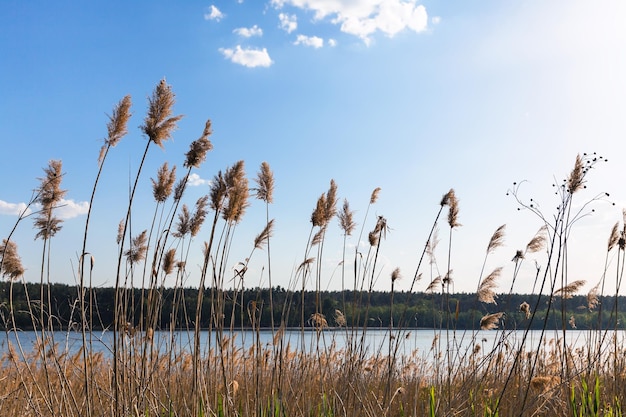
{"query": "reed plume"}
pixel 159 122
pixel 346 221
pixel 199 148
pixel 162 187
pixel 575 180
pixel 593 299
pixel 538 241
pixel 264 236
pixel 179 189
pixel 199 215
pixel 49 195
pixel 10 261
pixel 120 232
pixel 434 284
pixel 318 216
pixel 169 261
pixel 395 275
pixel 614 237
pixel 453 209
pixel 490 321
pixel 138 248
pixel 486 293
pixel 374 196
pixel 569 290
pixel 525 308
pixel 117 126
pixel 218 192
pixel 183 224
pixel 497 239
pixel 265 182
pixel 237 193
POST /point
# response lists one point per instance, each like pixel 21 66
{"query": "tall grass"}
pixel 149 370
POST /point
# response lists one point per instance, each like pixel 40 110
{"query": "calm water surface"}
pixel 418 342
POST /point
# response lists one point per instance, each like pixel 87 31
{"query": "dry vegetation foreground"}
pixel 138 376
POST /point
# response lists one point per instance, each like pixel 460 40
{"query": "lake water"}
pixel 421 342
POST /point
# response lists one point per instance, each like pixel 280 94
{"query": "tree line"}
pixel 251 308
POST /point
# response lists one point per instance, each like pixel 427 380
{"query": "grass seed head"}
pixel 199 148
pixel 159 122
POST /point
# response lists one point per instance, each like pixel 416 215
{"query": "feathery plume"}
pixel 453 209
pixel 519 255
pixel 120 232
pixel 395 275
pixel 265 182
pixel 614 238
pixel 318 320
pixel 445 200
pixel 162 187
pixel 49 194
pixel 497 239
pixel 569 290
pixel 318 216
pixel 218 191
pixel 138 248
pixel 169 261
pixel 346 221
pixel 117 125
pixel 490 321
pixel 331 202
pixel 179 189
pixel 525 308
pixel 237 193
pixel 159 122
pixel 317 238
pixel 199 215
pixel 10 260
pixel 305 263
pixel 434 284
pixel 184 219
pixel 199 148
pixel 572 322
pixel 575 180
pixel 374 196
pixel 340 318
pixel 593 300
pixel 538 242
pixel 372 238
pixel 265 234
pixel 486 293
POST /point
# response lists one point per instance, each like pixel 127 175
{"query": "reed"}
pixel 153 369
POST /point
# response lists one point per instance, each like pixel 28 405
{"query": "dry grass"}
pixel 150 373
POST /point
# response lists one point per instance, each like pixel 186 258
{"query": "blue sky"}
pixel 412 97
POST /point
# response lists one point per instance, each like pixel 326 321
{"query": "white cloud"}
pixel 213 14
pixel 194 180
pixel 13 208
pixel 332 43
pixel 249 32
pixel 436 20
pixel 363 18
pixel 68 209
pixel 247 57
pixel 65 209
pixel 313 41
pixel 288 23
